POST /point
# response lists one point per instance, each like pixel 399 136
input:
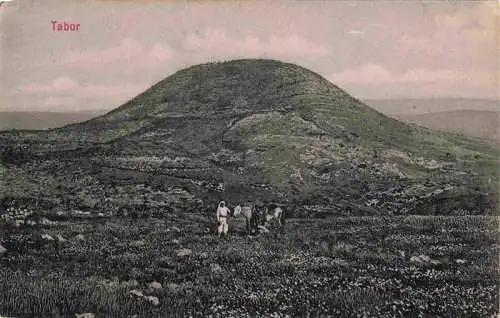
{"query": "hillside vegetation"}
pixel 343 267
pixel 276 128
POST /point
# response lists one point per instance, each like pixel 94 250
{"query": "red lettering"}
pixel 64 26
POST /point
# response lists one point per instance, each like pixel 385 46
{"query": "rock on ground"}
pixel 425 258
pixel 216 268
pixel 47 237
pixel 153 300
pixel 137 293
pixel 85 315
pixel 155 285
pixel 184 252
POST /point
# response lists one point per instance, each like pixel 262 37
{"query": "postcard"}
pixel 249 158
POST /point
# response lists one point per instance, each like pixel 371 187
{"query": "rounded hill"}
pixel 239 88
pixel 256 127
pixel 229 87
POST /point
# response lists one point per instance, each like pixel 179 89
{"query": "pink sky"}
pixel 383 49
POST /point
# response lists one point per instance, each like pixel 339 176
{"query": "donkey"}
pixel 250 215
pixel 275 213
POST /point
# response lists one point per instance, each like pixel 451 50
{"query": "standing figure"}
pixel 260 212
pixel 255 219
pixel 222 214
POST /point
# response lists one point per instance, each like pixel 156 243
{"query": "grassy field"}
pixel 410 266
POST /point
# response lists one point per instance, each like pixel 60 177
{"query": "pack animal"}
pixel 273 214
pixel 249 213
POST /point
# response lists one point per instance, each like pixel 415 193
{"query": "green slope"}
pixel 257 121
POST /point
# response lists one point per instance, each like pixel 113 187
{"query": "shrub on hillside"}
pixel 14 154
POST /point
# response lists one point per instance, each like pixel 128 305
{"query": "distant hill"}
pixel 474 123
pixel 392 107
pixel 43 120
pixel 244 130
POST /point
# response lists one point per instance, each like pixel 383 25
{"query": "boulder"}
pixel 415 259
pixel 47 237
pixel 184 252
pixel 155 285
pixel 153 300
pixel 85 315
pixel 136 293
pixel 425 258
pixel 216 268
pixel 204 255
pixel 435 262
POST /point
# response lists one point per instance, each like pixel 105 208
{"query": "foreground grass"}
pixel 340 266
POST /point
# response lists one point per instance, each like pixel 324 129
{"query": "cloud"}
pixel 64 93
pixel 216 42
pixel 472 28
pixel 423 81
pixel 359 33
pixel 421 75
pixel 366 74
pixel 372 73
pixel 479 23
pixel 127 51
pixel 59 84
pixel 68 86
pixel 160 53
